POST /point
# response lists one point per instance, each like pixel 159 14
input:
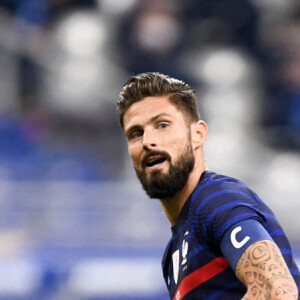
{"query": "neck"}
pixel 173 206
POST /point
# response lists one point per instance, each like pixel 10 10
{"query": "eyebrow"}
pixel 153 119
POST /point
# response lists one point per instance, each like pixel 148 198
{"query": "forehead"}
pixel 148 108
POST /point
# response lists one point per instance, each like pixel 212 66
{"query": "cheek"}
pixel 178 148
pixel 177 145
pixel 134 153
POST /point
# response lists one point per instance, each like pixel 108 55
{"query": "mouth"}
pixel 154 162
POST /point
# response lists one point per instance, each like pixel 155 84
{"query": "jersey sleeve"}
pixel 228 204
pixel 239 237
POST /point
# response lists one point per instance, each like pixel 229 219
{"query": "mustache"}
pixel 163 154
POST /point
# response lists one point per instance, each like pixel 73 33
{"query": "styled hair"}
pixel 150 84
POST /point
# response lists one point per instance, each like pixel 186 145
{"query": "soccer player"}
pixel 226 243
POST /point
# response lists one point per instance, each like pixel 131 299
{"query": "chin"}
pixel 154 172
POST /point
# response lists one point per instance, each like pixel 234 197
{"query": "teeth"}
pixel 152 160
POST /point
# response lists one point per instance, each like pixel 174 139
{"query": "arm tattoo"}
pixel 264 272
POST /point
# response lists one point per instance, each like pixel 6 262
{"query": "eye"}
pixel 163 125
pixel 136 134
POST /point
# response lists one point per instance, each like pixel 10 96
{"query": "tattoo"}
pixel 264 272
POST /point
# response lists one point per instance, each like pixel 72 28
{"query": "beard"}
pixel 161 186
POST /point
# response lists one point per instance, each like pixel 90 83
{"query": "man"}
pixel 226 243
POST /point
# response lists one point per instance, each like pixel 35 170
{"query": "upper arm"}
pixel 257 261
pixel 264 272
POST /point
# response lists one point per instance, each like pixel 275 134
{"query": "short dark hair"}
pixel 149 84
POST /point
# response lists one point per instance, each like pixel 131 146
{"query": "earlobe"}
pixel 199 133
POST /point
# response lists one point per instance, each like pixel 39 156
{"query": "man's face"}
pixel 159 143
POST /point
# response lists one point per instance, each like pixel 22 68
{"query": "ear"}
pixel 198 133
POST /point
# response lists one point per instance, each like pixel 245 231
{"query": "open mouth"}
pixel 155 161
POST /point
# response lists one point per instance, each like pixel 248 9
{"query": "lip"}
pixel 151 158
pixel 158 166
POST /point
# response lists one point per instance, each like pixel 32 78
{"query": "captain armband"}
pixel 239 237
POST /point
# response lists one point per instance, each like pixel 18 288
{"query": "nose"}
pixel 149 140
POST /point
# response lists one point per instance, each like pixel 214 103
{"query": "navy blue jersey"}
pixel 194 266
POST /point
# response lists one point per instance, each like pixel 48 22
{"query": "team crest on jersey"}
pixel 176 258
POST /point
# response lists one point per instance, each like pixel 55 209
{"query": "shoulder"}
pixel 220 201
pixel 216 188
pixel 218 181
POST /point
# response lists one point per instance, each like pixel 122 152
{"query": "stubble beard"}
pixel 158 185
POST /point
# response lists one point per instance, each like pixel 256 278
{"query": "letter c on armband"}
pixel 240 236
pixel 234 241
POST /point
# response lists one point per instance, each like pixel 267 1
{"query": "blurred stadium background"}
pixel 74 222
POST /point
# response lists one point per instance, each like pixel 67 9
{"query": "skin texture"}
pixel 154 124
pixel 265 274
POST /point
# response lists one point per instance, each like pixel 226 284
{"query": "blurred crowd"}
pixel 64 61
pixel 71 206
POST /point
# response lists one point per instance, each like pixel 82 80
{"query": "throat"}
pixel 174 205
pixel 172 208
